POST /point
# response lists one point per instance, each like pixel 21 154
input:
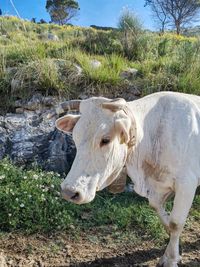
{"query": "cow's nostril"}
pixel 71 195
pixel 75 196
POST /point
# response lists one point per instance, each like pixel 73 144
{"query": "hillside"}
pixel 40 64
pixel 76 62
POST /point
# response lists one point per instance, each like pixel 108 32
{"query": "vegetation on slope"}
pixel 30 62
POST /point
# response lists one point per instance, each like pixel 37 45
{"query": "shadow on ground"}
pixel 137 258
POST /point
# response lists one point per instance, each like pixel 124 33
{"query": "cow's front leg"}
pixel 182 202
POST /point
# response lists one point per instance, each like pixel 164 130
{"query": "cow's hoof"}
pixel 165 262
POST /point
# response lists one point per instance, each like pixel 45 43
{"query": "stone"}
pixel 36 103
pixel 129 74
pixel 52 37
pixel 19 110
pixel 78 69
pixel 95 64
pixel 11 70
pixel 15 84
pixel 3 142
pixel 82 96
pixel 3 262
pixel 29 137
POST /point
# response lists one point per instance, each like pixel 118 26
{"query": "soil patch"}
pixel 94 248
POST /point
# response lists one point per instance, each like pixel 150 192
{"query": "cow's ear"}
pixel 122 127
pixel 67 123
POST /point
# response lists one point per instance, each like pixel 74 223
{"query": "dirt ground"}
pixel 94 248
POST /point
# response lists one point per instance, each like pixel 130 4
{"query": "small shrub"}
pixel 44 75
pixel 131 29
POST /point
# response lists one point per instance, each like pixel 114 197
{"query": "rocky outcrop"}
pixel 29 136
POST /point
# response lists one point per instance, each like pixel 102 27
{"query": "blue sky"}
pixel 97 12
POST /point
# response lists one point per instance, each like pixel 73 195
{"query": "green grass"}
pixel 167 62
pixel 30 202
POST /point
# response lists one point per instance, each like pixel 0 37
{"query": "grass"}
pixel 30 202
pixel 30 60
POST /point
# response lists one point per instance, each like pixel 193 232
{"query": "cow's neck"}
pixel 133 131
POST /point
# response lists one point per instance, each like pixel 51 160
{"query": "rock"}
pixel 48 36
pixel 129 188
pixel 95 64
pixel 82 96
pixel 3 142
pixel 36 103
pixel 11 70
pixel 14 121
pixel 29 137
pixel 3 262
pixel 52 37
pixel 19 110
pixel 129 74
pixel 15 84
pixel 78 69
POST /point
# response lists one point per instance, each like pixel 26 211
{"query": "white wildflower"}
pixel 21 205
pixel 35 176
pixel 2 177
pixel 45 189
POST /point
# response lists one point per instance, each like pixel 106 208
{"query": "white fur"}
pixel 164 161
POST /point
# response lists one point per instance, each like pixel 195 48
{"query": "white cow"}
pixel 156 137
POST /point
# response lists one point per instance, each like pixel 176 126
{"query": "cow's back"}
pixel 168 144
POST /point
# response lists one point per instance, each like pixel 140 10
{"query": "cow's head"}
pixel 102 133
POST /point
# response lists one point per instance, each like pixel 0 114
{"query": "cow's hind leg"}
pixel 184 194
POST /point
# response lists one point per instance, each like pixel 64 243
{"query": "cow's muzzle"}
pixel 71 195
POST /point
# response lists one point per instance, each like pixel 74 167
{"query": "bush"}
pixel 99 42
pixel 131 29
pixel 42 75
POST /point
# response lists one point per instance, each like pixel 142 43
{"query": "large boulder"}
pixel 29 136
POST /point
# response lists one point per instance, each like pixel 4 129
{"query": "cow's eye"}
pixel 105 141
